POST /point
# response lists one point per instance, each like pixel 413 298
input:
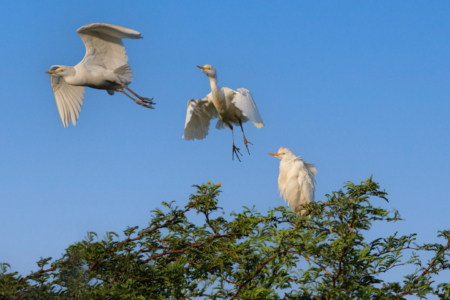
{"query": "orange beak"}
pixel 274 154
pixel 203 68
pixel 52 72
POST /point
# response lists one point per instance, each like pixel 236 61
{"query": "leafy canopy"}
pixel 279 255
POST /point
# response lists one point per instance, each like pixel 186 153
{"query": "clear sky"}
pixel 355 87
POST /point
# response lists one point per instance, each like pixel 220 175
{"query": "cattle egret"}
pixel 231 107
pixel 103 67
pixel 296 180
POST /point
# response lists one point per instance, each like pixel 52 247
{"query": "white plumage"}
pixel 231 107
pixel 296 181
pixel 103 67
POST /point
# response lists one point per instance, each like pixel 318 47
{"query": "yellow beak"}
pixel 274 154
pixel 53 72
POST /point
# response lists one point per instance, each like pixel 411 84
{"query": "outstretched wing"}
pixel 104 45
pixel 69 98
pixel 244 101
pixel 198 117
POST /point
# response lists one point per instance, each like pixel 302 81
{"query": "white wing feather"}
pixel 69 98
pixel 296 183
pixel 306 181
pixel 312 169
pixel 244 101
pixel 198 116
pixel 104 45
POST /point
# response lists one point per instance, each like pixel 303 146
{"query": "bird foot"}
pixel 236 150
pixel 146 102
pixel 247 142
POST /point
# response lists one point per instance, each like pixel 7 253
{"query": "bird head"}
pixel 284 154
pixel 60 71
pixel 209 71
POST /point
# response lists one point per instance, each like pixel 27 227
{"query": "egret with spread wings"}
pixel 296 181
pixel 103 67
pixel 231 107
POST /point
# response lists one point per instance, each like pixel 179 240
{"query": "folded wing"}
pixel 198 117
pixel 69 98
pixel 307 181
pixel 104 45
pixel 244 101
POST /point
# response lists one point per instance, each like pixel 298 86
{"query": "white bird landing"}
pixel 296 180
pixel 231 107
pixel 103 67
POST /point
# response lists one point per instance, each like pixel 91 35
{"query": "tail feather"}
pixel 221 125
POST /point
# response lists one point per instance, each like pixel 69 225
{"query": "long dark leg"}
pixel 235 149
pixel 146 102
pixel 245 140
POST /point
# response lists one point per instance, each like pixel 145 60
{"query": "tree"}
pixel 274 256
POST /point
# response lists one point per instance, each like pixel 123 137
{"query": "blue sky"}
pixel 356 87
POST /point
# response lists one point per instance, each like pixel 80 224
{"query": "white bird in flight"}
pixel 103 67
pixel 296 180
pixel 231 107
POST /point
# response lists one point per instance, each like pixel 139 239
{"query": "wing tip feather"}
pixel 132 34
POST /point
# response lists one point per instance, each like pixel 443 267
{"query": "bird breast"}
pixel 289 184
pixel 228 112
pixel 218 98
pixel 93 76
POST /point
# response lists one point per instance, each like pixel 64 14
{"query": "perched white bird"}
pixel 296 180
pixel 231 107
pixel 103 67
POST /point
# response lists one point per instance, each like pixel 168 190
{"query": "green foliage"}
pixel 279 255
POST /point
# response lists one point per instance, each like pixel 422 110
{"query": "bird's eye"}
pixel 282 153
pixel 208 69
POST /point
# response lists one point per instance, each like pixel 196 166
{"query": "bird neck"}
pixel 290 160
pixel 218 101
pixel 213 83
pixel 69 77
